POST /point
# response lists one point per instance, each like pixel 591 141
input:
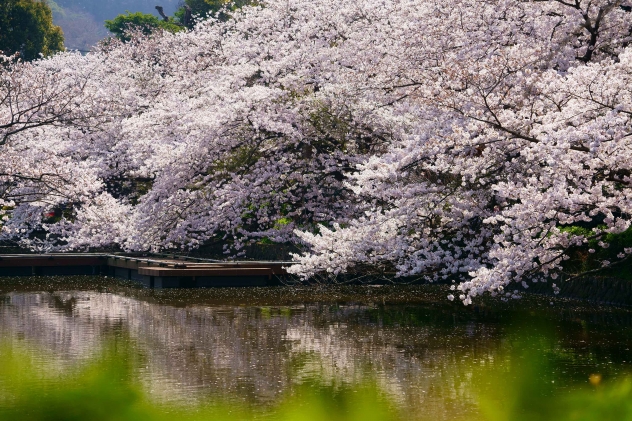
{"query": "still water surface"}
pixel 254 345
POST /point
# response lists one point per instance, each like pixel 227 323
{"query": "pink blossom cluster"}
pixel 452 140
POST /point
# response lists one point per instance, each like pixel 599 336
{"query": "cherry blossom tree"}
pixel 56 117
pixel 518 138
pixel 474 142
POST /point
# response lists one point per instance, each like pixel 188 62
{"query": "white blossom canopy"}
pixel 477 142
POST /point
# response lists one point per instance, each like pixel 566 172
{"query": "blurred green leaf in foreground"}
pixel 520 386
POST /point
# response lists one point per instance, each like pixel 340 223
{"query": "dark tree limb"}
pixel 162 13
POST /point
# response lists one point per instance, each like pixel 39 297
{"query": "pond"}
pixel 252 346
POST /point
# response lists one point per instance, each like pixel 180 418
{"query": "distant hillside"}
pixel 82 20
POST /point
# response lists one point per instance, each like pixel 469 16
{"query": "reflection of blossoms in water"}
pixel 412 366
pixel 422 358
pixel 234 351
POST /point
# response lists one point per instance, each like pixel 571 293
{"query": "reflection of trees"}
pixel 248 352
pixel 422 357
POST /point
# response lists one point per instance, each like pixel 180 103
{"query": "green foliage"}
pixel 519 384
pixel 281 222
pixel 102 391
pixel 26 27
pixel 240 159
pixel 96 392
pixel 613 402
pixel 583 260
pixel 332 129
pixel 523 385
pixel 144 22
